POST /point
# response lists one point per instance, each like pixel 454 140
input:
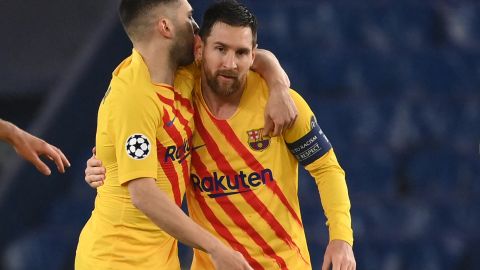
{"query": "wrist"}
pixel 9 133
pixel 213 246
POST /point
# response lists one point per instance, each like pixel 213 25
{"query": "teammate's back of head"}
pixel 138 16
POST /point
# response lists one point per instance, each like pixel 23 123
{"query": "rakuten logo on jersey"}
pixel 220 185
pixel 178 154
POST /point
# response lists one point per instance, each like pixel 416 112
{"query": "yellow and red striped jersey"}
pixel 143 130
pixel 243 185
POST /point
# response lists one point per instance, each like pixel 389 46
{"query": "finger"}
pixel 269 125
pixel 336 265
pixel 93 162
pixel 94 151
pixel 94 178
pixel 351 265
pixel 51 152
pixel 278 130
pixel 290 125
pixel 326 263
pixel 65 160
pixel 96 184
pixel 100 171
pixel 40 165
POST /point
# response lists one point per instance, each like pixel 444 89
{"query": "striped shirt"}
pixel 243 185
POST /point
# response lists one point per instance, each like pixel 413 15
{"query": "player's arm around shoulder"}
pixel 280 111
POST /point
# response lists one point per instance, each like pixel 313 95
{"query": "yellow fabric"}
pixel 253 214
pixel 117 235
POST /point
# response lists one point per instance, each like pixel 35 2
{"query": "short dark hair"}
pixel 132 11
pixel 229 12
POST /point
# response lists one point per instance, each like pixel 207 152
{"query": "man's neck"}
pixel 222 107
pixel 159 63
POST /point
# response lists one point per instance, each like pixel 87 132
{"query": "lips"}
pixel 228 75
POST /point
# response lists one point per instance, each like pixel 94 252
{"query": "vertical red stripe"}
pixel 250 198
pixel 178 140
pixel 170 172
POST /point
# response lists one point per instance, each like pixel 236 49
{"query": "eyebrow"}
pixel 241 49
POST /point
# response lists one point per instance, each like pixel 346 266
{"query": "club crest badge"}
pixel 257 141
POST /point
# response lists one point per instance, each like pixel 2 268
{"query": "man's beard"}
pixel 224 89
pixel 182 50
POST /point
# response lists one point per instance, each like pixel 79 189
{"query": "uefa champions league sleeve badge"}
pixel 138 146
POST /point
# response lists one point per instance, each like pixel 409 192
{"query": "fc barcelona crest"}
pixel 256 140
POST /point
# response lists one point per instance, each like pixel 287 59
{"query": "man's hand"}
pixel 339 254
pixel 95 172
pixel 162 210
pixel 280 113
pixel 32 148
pixel 225 259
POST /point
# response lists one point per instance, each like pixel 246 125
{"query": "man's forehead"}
pixel 222 32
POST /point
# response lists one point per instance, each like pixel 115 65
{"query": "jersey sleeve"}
pixel 134 123
pixel 313 150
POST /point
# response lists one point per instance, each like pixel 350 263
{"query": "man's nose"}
pixel 229 61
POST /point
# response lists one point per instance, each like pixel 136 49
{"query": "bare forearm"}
pixel 155 204
pixel 267 65
pixel 7 131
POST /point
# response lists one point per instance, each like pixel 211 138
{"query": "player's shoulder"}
pixel 255 77
pixel 185 79
pixel 297 97
pixel 256 81
pixel 189 72
pixel 125 93
pixel 131 73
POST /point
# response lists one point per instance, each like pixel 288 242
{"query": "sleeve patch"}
pixel 138 146
pixel 312 146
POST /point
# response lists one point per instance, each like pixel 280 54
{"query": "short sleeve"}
pixel 134 123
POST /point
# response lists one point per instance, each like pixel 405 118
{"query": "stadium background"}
pixel 394 84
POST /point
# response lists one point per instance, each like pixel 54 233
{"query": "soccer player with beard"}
pixel 144 136
pixel 141 120
pixel 244 184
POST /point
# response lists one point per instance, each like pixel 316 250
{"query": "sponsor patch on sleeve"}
pixel 312 146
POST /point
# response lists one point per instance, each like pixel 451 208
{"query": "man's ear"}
pixel 254 51
pixel 198 48
pixel 165 27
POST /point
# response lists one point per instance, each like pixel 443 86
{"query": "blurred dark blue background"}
pixel 394 84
